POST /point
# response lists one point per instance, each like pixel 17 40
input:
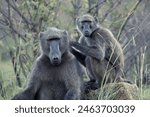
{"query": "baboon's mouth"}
pixel 87 34
pixel 55 63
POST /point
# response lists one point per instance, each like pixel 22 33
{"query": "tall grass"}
pixel 7 80
pixel 139 73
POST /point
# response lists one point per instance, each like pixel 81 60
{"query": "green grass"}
pixel 6 70
pixel 145 95
pixel 10 88
pixel 8 81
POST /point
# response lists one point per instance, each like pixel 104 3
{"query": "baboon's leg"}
pixel 93 83
pixel 90 70
pixel 72 94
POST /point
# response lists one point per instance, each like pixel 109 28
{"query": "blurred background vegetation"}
pixel 22 20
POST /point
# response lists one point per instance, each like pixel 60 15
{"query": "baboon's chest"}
pixel 57 73
pixel 52 90
pixel 53 85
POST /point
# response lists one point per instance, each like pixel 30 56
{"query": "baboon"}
pixel 99 51
pixel 54 75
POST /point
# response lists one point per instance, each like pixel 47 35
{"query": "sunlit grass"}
pixel 6 70
pixel 8 81
pixel 145 95
pixel 10 88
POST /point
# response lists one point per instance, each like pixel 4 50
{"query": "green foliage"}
pixel 8 85
pixel 39 15
pixel 145 94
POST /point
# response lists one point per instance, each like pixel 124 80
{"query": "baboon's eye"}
pixel 82 27
pixel 52 39
pixel 90 26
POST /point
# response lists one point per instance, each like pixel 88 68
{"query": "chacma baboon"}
pixel 55 74
pixel 99 51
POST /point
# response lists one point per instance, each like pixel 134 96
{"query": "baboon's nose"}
pixel 86 33
pixel 56 61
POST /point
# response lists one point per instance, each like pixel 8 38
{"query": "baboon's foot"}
pixel 91 85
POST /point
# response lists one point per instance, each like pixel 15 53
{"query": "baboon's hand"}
pixel 91 51
pixel 90 85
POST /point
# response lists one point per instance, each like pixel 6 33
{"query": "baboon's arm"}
pixel 79 56
pixel 92 51
pixel 27 94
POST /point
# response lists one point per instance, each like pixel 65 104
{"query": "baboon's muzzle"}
pixel 86 33
pixel 56 60
pixel 55 53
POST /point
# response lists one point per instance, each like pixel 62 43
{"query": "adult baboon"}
pixel 99 51
pixel 54 74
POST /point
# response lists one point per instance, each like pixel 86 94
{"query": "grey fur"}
pixel 53 80
pixel 104 55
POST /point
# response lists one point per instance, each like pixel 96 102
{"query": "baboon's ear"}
pixel 96 19
pixel 65 35
pixel 65 32
pixel 77 20
pixel 41 35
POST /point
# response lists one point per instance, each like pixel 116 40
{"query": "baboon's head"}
pixel 86 24
pixel 54 43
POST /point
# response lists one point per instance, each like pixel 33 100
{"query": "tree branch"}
pixel 95 6
pixel 112 7
pixel 127 18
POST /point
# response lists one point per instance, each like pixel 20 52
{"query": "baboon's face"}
pixel 54 44
pixel 86 25
pixel 86 28
pixel 54 51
